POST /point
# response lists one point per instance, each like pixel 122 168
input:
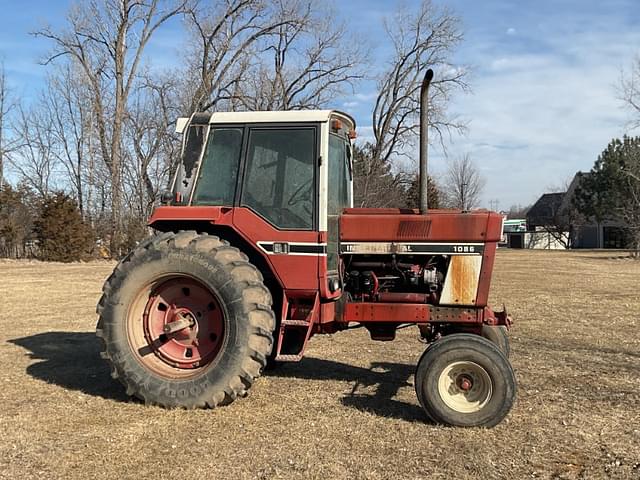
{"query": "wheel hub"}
pixel 183 319
pixel 465 387
pixel 183 323
pixel 464 383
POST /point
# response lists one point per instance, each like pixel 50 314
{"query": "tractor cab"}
pixel 282 179
pixel 270 162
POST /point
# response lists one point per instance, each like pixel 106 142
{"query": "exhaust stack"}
pixel 424 139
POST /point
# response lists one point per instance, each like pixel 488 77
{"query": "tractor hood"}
pixel 392 224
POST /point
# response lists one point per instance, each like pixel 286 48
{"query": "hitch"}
pixel 503 317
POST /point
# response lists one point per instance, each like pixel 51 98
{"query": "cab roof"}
pixel 282 116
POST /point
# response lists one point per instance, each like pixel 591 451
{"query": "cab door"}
pixel 277 205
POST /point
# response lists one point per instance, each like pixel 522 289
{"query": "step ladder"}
pixel 300 311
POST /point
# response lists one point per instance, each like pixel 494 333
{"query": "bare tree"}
pixel 558 221
pixel 7 105
pixel 562 217
pixel 630 212
pixel 107 38
pixel 150 141
pixel 304 62
pixel 16 220
pixel 629 91
pixel 421 39
pixel 4 110
pixel 67 102
pixel 224 38
pixel 35 161
pixel 518 211
pixel 463 183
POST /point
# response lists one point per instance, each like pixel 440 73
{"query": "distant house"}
pixel 554 215
pixel 546 210
pixel 547 223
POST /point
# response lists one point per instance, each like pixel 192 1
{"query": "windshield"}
pixel 219 171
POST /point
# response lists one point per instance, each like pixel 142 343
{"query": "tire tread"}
pixel 256 300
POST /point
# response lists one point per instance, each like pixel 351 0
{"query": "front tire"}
pixel 186 321
pixel 465 380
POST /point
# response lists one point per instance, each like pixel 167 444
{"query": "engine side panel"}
pixel 442 258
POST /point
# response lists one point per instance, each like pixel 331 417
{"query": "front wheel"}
pixel 186 321
pixel 465 380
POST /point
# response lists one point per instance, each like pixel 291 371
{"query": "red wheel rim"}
pixel 176 326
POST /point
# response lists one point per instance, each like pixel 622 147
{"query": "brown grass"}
pixel 348 410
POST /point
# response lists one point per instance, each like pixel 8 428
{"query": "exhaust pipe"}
pixel 424 139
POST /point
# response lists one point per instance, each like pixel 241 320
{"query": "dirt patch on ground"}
pixel 348 410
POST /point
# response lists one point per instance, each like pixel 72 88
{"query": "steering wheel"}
pixel 302 193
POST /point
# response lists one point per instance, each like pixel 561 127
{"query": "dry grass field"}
pixel 348 410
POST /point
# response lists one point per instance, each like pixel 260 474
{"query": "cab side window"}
pixel 279 181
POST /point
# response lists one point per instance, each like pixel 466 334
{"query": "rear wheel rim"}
pixel 198 320
pixel 465 387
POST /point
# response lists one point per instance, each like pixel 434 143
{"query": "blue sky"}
pixel 543 103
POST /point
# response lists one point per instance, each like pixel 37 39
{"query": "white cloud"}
pixel 539 116
pixel 365 96
pixel 511 31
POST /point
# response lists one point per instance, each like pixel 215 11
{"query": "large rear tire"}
pixel 465 380
pixel 186 321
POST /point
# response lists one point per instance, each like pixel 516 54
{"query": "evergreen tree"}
pixel 434 195
pixel 61 233
pixel 374 183
pixel 612 188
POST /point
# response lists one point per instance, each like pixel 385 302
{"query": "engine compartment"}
pixel 395 278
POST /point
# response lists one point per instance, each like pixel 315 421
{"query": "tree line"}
pixel 100 132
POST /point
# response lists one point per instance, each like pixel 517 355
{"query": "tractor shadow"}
pixel 386 378
pixel 71 360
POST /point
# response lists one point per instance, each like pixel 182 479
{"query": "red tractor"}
pixel 259 248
